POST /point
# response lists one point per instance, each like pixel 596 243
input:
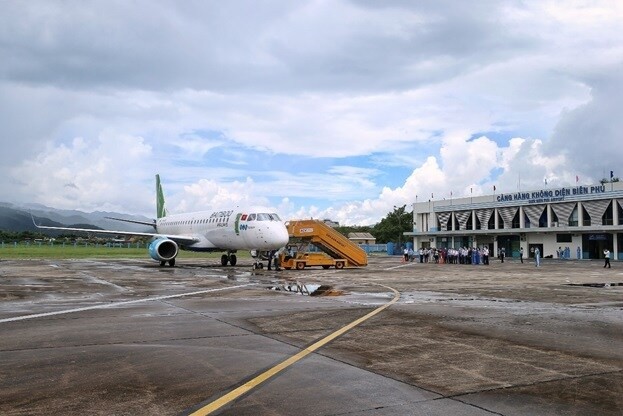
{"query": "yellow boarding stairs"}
pixel 328 240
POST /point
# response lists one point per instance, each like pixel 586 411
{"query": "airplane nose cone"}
pixel 284 238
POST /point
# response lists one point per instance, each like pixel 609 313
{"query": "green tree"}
pixel 347 229
pixel 391 227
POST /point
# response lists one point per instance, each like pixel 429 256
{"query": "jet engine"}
pixel 163 250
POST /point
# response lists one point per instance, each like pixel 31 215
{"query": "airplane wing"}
pixel 150 223
pixel 180 239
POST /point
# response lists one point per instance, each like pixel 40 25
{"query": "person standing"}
pixel 537 257
pixel 521 254
pixel 271 255
pixel 607 258
pixel 283 252
pixel 502 254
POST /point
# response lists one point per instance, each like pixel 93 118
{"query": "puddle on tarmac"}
pixel 595 284
pixel 307 289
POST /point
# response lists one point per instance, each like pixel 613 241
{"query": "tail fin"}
pixel 161 210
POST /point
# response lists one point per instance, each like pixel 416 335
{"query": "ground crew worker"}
pixel 271 255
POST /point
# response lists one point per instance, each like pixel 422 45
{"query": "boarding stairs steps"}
pixel 328 240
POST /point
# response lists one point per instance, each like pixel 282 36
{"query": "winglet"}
pixel 33 220
pixel 161 210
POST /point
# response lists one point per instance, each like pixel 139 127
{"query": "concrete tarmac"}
pixel 108 337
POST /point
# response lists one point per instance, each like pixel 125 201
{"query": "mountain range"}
pixel 18 218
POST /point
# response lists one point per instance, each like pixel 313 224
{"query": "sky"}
pixel 325 109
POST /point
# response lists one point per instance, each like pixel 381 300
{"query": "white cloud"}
pixel 90 175
pixel 312 106
pixel 212 195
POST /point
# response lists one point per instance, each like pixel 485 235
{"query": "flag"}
pixel 431 195
pixel 450 193
pixel 545 180
pixel 576 178
pixel 493 188
pixel 611 174
pixel 471 190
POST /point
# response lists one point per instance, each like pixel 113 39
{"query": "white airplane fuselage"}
pixel 230 230
pixel 226 230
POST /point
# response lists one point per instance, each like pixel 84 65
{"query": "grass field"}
pixel 69 251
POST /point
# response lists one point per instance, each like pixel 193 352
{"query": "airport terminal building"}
pixel 577 221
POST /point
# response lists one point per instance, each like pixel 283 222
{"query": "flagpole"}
pixel 611 178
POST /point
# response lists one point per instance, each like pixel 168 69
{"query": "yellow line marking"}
pixel 248 386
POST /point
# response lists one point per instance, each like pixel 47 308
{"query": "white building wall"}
pixel 427 233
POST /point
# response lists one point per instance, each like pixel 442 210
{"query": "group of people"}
pixel 564 253
pixel 463 255
pixel 476 255
pixel 274 257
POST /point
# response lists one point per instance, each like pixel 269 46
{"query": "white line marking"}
pixel 110 305
pixel 397 267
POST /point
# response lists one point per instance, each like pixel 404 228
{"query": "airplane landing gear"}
pixel 164 263
pixel 228 258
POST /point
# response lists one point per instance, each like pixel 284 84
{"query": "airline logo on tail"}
pixel 161 210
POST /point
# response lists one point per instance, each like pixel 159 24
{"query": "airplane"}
pixel 226 230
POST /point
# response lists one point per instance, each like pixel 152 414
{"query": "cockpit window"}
pixel 263 217
pixel 251 217
pixel 274 217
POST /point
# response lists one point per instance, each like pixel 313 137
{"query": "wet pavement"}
pixel 130 338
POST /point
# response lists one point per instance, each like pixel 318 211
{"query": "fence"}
pixel 16 244
pixel 368 248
